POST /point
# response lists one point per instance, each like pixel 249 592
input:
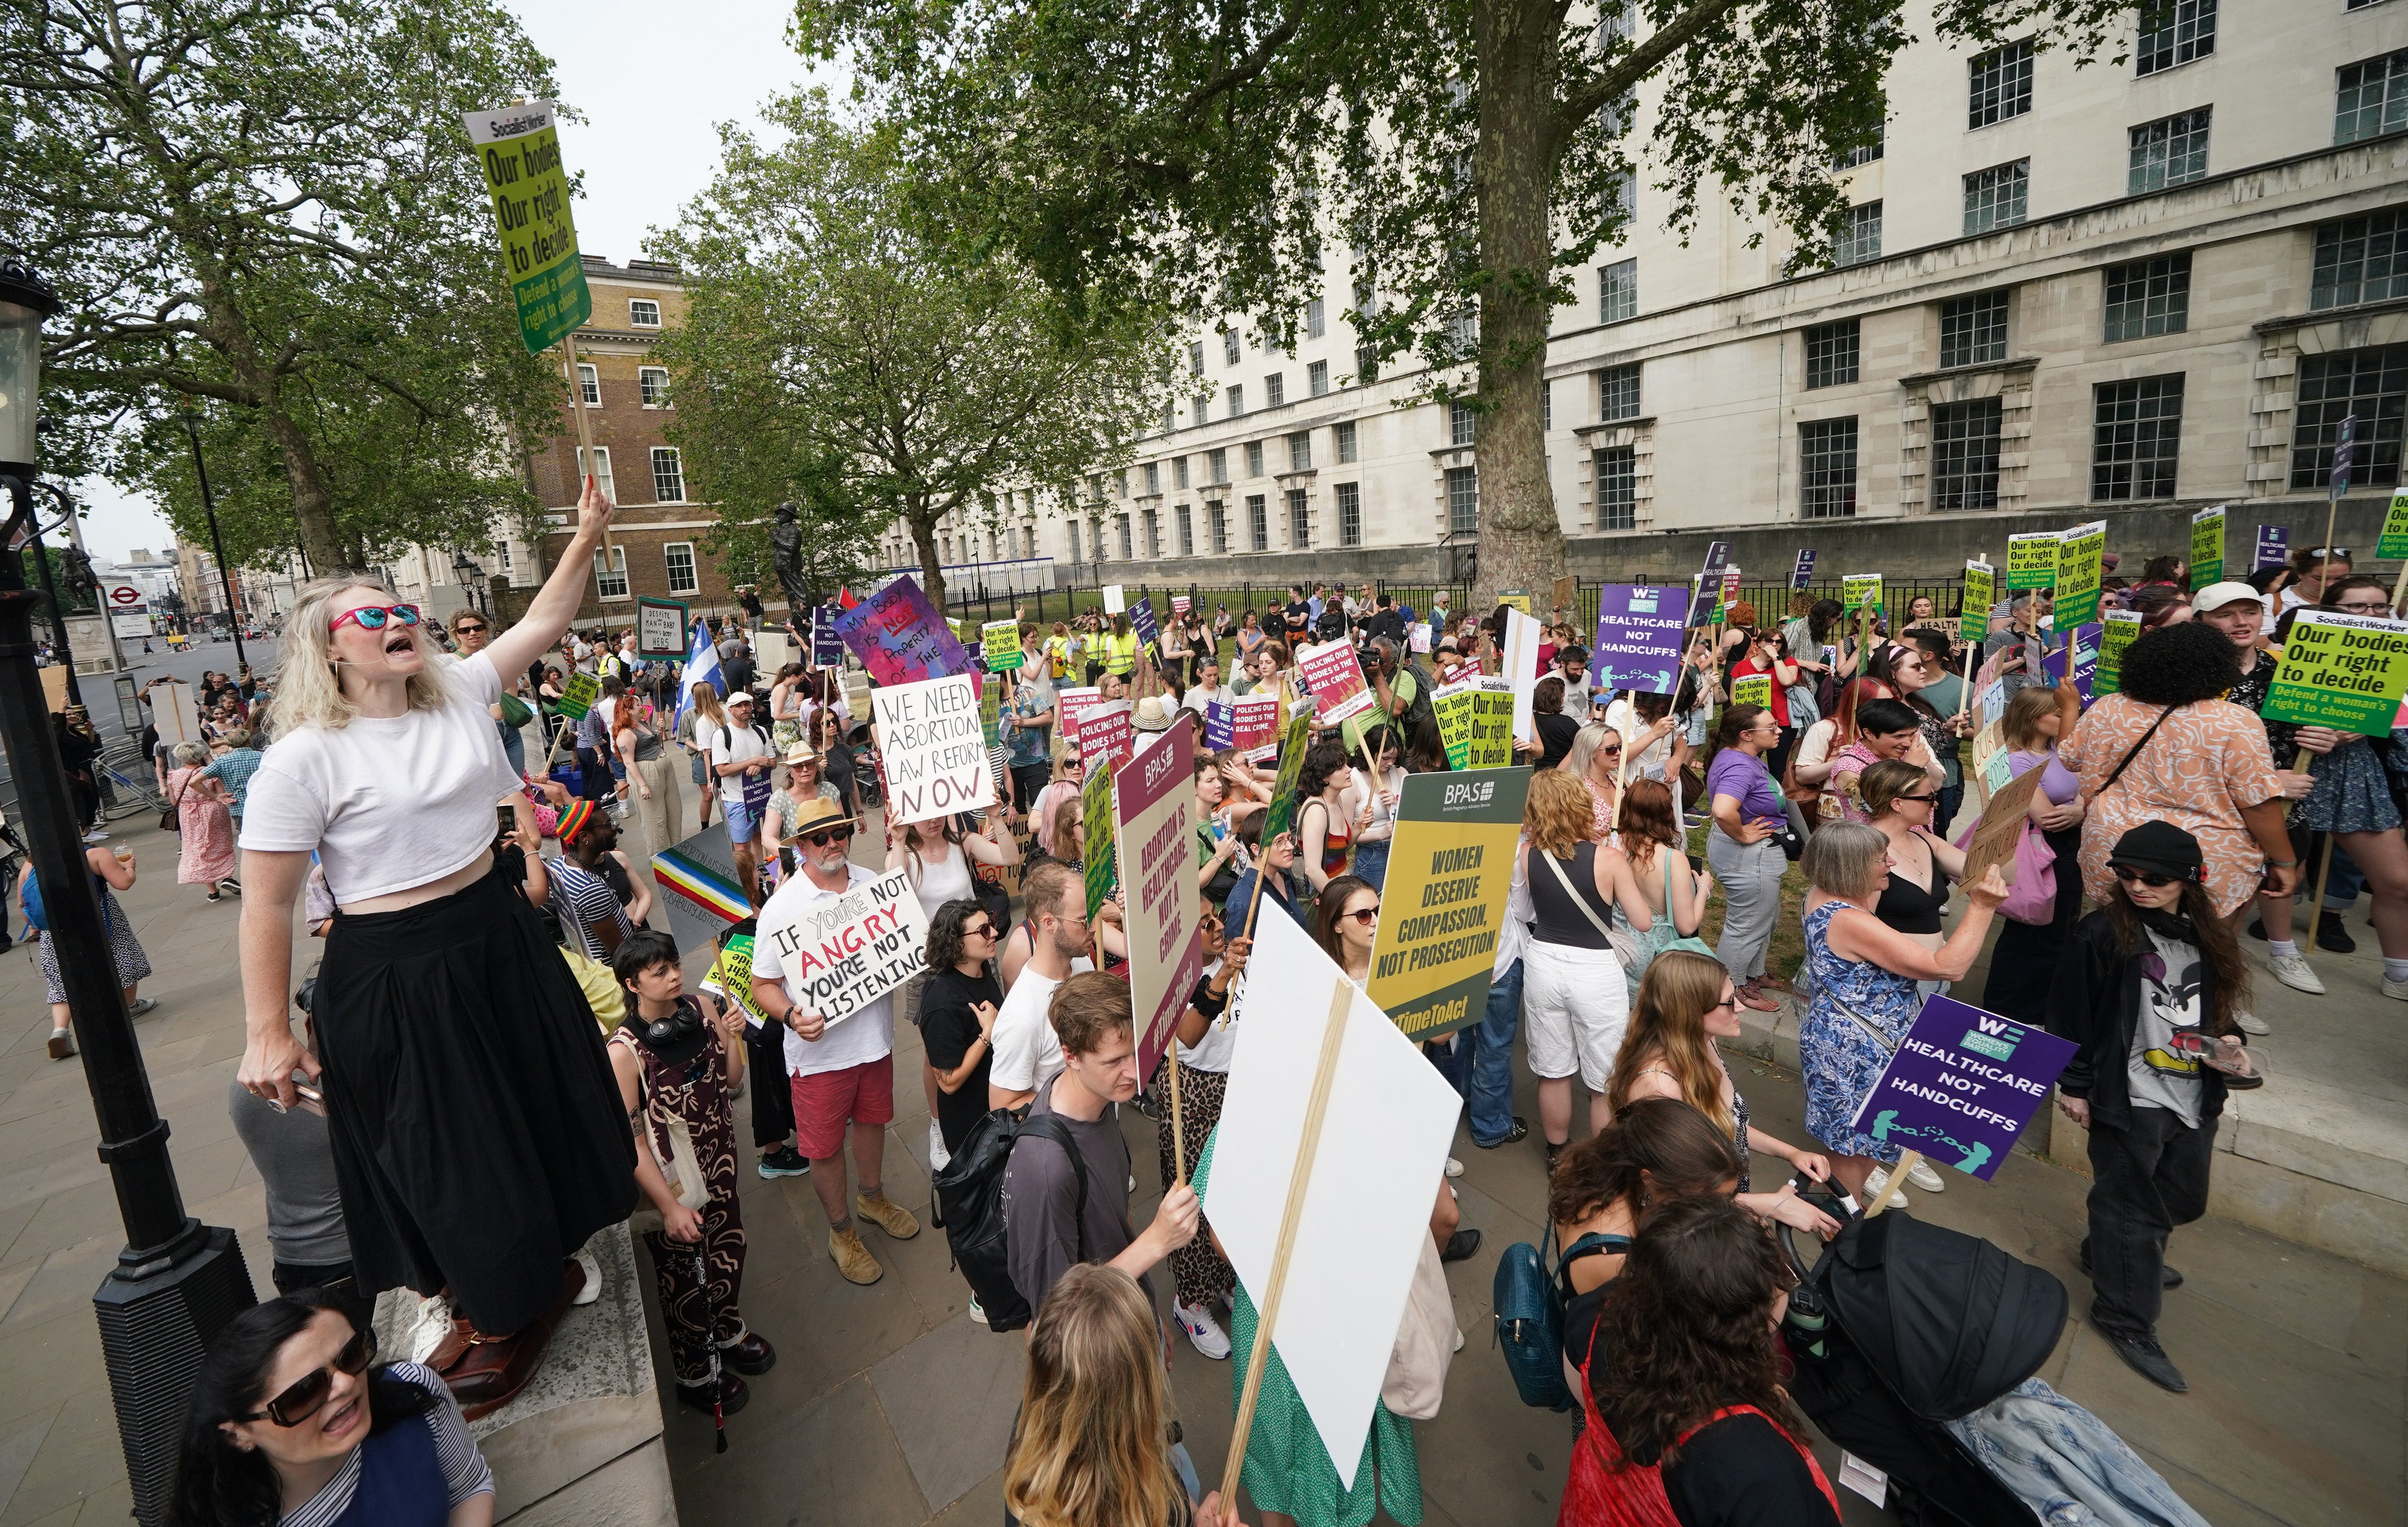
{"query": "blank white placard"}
pixel 1375 1177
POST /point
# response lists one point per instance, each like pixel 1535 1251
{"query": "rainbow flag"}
pixel 715 894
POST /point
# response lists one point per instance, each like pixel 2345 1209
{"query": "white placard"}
pixel 175 712
pixel 1114 600
pixel 935 750
pixel 1367 1205
pixel 1520 658
pixel 840 956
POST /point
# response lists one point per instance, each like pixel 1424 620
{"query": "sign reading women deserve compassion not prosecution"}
pixel 1449 870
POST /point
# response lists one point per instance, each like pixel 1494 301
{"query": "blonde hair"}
pixel 309 693
pixel 1669 1021
pixel 1559 815
pixel 1093 1450
pixel 2020 724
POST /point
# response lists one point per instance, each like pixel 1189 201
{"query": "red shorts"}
pixel 827 1100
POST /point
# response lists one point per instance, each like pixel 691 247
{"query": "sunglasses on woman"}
pixel 1926 799
pixel 983 931
pixel 2128 875
pixel 1366 915
pixel 372 617
pixel 304 1397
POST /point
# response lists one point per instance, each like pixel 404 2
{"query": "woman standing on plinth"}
pixel 478 1136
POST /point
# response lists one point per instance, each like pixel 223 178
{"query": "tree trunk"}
pixel 313 504
pixel 922 522
pixel 1521 543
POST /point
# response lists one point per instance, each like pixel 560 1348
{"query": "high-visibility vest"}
pixel 1120 654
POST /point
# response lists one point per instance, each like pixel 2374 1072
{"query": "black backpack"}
pixel 969 1208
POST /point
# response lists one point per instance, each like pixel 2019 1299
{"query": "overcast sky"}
pixel 652 84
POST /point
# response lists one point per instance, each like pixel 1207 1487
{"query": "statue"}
pixel 787 556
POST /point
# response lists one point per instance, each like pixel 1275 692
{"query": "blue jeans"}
pixel 513 747
pixel 1371 863
pixel 1492 1059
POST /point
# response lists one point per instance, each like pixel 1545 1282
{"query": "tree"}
pixel 269 209
pixel 1465 157
pixel 823 294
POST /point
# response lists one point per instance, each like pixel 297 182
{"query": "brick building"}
pixel 657 533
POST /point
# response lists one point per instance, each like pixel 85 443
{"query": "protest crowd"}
pixel 1092 846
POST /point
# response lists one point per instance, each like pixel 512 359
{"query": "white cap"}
pixel 2216 596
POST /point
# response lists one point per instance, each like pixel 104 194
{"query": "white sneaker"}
pixel 2294 971
pixel 426 1327
pixel 977 1313
pixel 937 1155
pixel 1873 1185
pixel 1203 1333
pixel 592 1290
pixel 2395 989
pixel 1454 1167
pixel 2251 1023
pixel 1922 1176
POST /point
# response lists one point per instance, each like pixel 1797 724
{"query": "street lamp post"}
pixel 177 1282
pixel 216 542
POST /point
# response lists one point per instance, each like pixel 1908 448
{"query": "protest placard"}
pixel 1333 1129
pixel 2081 557
pixel 2118 629
pixel 991 709
pixel 1284 805
pixel 933 748
pixel 827 647
pixel 1638 643
pixel 705 898
pixel 1990 761
pixel 1981 589
pixel 1756 691
pixel 578 693
pixel 1730 589
pixel 1962 1085
pixel 1417 636
pixel 661 626
pixel 2076 662
pixel 1449 868
pixel 1521 665
pixel 899 636
pixel 1142 621
pixel 1566 591
pixel 841 954
pixel 1006 877
pixel 1858 590
pixel 1156 827
pixel 1115 600
pixel 1219 724
pixel 1254 722
pixel 2031 561
pixel 1108 730
pixel 1180 605
pixel 1803 573
pixel 2207 547
pixel 2343 671
pixel 2002 818
pixel 1717 558
pixel 175 710
pixel 1071 704
pixel 1000 641
pixel 1335 676
pixel 2273 545
pixel 518 147
pixel 1475 721
pixel 1100 861
pixel 2392 543
pixel 1517 599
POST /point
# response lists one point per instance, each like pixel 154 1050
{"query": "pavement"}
pixel 888 1406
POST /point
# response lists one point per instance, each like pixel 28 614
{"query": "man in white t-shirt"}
pixel 741 757
pixel 1027 1053
pixel 842 1073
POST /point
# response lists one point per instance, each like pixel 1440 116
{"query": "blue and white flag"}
pixel 701 665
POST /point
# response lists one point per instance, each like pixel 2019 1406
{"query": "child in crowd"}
pixel 679 1068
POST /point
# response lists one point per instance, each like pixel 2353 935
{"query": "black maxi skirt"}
pixel 478 1134
pixel 2022 962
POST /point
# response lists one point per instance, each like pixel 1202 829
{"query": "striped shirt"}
pixel 464 1472
pixel 582 898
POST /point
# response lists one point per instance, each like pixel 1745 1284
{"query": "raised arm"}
pixel 555 606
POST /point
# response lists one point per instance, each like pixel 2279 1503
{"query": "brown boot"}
pixel 492 1371
pixel 852 1258
pixel 887 1214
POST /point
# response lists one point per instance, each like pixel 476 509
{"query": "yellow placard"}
pixel 1449 871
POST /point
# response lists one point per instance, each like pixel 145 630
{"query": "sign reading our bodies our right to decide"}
pixel 518 147
pixel 1451 867
pixel 839 955
pixel 1962 1085
pixel 2031 559
pixel 1475 721
pixel 934 747
pixel 2343 671
pixel 1980 592
pixel 2207 547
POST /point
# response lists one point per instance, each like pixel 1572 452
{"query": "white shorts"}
pixel 1575 1005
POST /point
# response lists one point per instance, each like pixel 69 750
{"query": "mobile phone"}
pixel 2197 1042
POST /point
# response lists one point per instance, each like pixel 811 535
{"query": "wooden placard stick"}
pixel 584 429
pixel 1324 1073
pixel 2316 906
pixel 1894 1189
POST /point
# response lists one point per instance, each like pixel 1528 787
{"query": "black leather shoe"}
pixel 1460 1246
pixel 2143 1356
pixel 2331 935
pixel 1521 1131
pixel 2258 928
pixel 732 1395
pixel 2172 1280
pixel 753 1355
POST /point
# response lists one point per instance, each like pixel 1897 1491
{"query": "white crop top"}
pixel 388 803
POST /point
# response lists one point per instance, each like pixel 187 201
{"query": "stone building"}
pixel 2131 291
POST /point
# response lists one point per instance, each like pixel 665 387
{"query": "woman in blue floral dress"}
pixel 1864 974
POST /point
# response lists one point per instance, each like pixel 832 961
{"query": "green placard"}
pixel 2207 547
pixel 1102 865
pixel 2394 544
pixel 577 694
pixel 2081 556
pixel 1293 737
pixel 2122 626
pixel 2031 561
pixel 2343 671
pixel 1756 690
pixel 518 147
pixel 1980 592
pixel 1000 642
pixel 991 709
pixel 1859 589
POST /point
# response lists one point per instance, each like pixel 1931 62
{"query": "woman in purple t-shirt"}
pixel 1742 847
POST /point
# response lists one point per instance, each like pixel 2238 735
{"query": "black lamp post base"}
pixel 154 1330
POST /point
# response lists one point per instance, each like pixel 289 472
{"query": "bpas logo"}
pixel 1642 601
pixel 1993 1037
pixel 1479 794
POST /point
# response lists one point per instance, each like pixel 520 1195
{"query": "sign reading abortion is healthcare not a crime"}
pixel 1638 638
pixel 518 147
pixel 840 955
pixel 1962 1085
pixel 899 636
pixel 1450 869
pixel 1157 828
pixel 2343 671
pixel 934 747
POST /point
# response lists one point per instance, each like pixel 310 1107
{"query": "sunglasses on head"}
pixel 2127 874
pixel 304 1397
pixel 826 836
pixel 372 617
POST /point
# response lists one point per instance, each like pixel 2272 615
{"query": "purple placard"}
pixel 1804 573
pixel 1219 724
pixel 1962 1085
pixel 2086 659
pixel 2273 547
pixel 827 647
pixel 899 638
pixel 1142 621
pixel 1638 642
pixel 1717 558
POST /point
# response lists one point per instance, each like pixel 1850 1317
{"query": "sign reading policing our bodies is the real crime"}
pixel 518 147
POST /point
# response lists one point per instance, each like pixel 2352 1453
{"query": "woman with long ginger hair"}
pixel 1093 1447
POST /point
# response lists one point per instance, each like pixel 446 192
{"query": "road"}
pixel 100 689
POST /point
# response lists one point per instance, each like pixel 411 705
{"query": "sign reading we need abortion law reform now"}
pixel 934 747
